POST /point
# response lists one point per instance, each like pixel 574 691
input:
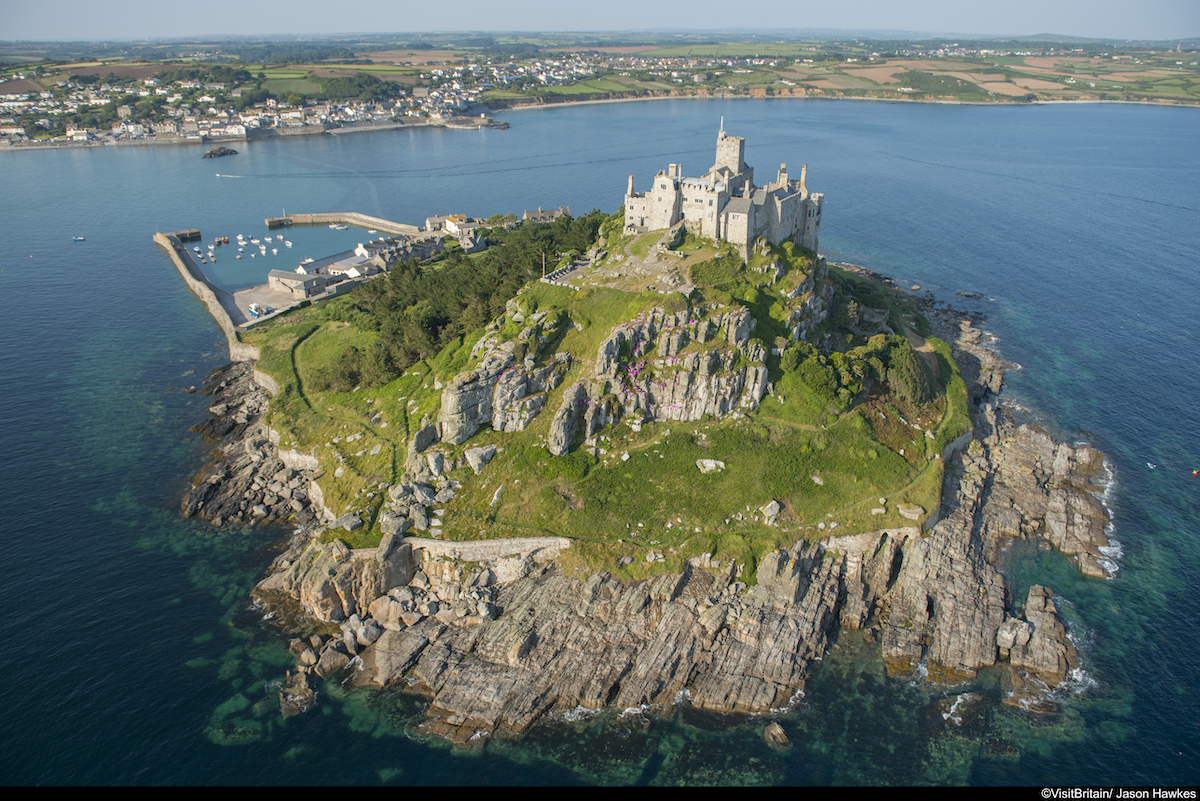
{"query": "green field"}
pixel 292 86
pixel 738 50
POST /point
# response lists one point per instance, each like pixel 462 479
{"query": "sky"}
pixel 69 20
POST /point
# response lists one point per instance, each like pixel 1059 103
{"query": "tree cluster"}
pixel 420 308
pixel 890 361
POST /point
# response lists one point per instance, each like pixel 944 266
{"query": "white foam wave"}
pixel 789 706
pixel 579 713
pixel 1113 551
pixel 949 715
pixel 1076 682
pixel 640 709
pixel 920 673
pixel 1010 403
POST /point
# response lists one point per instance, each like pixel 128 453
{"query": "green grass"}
pixel 654 500
pixel 599 85
pixel 292 86
pixel 640 247
pixel 943 86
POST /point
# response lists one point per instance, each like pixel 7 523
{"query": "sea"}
pixel 133 656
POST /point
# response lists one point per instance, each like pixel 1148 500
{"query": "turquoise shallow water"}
pixel 132 656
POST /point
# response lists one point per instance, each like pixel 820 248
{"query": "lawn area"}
pixel 592 86
pixel 292 86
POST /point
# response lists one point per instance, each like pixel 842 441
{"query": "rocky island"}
pixel 614 497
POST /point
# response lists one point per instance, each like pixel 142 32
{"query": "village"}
pixel 154 109
pixel 50 104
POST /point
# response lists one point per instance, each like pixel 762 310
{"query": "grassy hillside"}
pixel 862 417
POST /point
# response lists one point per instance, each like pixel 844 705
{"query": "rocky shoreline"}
pixel 500 640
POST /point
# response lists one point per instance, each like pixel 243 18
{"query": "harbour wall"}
pixel 345 218
pixel 219 301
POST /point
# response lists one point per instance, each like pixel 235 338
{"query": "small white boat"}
pixel 286 242
pixel 274 250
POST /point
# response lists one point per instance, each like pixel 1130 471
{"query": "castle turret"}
pixel 730 153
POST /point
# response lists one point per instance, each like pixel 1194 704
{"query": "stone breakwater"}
pixel 501 640
pixel 220 303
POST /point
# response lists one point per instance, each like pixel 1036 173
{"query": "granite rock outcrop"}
pixel 500 639
pixel 249 481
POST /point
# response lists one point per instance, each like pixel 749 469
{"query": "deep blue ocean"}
pixel 130 651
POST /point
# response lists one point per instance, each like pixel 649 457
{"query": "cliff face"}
pixel 502 392
pixel 644 368
pixel 662 367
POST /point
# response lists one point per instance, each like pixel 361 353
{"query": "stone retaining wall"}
pixel 489 550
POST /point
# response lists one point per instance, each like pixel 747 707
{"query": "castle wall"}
pixel 782 211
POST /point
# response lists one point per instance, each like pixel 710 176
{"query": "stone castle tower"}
pixel 725 205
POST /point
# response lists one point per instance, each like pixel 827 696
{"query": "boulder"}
pixel 477 458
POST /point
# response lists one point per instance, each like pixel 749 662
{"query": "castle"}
pixel 725 205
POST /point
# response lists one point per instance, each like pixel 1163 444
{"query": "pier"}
pixel 345 218
pixel 229 309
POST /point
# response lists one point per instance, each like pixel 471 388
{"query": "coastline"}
pixel 401 609
pixel 177 141
pixel 173 141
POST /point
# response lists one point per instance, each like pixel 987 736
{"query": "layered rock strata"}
pixel 508 387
